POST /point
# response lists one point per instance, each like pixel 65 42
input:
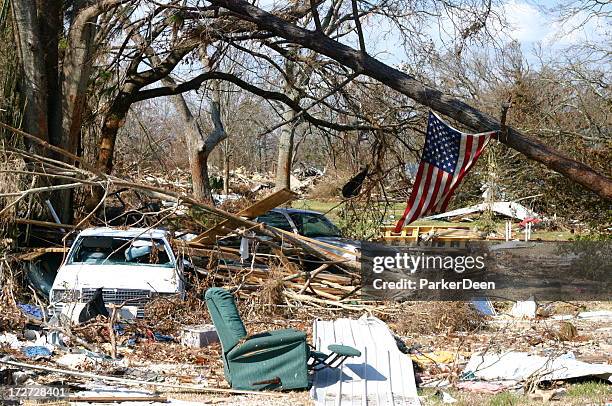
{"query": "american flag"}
pixel 448 155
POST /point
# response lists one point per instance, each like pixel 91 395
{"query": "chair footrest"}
pixel 344 350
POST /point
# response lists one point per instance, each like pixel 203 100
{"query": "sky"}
pixel 528 24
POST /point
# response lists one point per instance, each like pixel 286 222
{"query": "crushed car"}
pixel 125 267
pixel 311 224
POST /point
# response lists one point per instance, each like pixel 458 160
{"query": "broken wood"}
pixel 257 209
pixel 38 252
pixel 40 223
pixel 182 387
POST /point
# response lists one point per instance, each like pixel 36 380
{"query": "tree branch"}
pixel 197 81
pixel 358 26
pixel 421 93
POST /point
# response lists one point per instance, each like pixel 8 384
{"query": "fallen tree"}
pixel 361 62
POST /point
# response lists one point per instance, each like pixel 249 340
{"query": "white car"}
pixel 131 267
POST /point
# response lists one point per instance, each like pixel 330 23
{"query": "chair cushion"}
pixel 226 318
pixel 344 350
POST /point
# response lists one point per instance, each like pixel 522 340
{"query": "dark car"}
pixel 311 224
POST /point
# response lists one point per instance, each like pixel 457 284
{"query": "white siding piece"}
pixel 382 375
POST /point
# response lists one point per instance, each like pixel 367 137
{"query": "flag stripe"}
pixel 432 198
pixel 424 187
pixel 411 199
pixel 473 158
pixel 432 175
pixel 470 151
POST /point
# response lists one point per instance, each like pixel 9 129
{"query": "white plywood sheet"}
pixel 382 375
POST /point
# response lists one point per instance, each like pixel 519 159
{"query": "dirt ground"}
pixel 589 341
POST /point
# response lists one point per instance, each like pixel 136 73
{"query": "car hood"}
pixel 345 243
pixel 154 278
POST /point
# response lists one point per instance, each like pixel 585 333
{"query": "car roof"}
pixel 290 210
pixel 127 232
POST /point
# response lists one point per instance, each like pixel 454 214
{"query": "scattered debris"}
pixel 446 397
pixel 199 336
pixel 525 308
pixel 508 209
pixel 36 352
pixel 481 387
pixel 134 334
pixel 519 366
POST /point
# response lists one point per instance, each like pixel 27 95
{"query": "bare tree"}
pixel 420 92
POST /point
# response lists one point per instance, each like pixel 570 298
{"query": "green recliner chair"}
pixel 279 359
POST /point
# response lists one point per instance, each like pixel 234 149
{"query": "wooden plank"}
pixel 47 224
pixel 268 203
pixel 442 233
pixel 37 252
pixel 257 209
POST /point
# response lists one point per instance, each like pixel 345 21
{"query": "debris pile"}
pixel 143 346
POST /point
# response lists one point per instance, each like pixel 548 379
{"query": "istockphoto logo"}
pixel 507 270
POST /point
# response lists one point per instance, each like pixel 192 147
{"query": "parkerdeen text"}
pixel 426 284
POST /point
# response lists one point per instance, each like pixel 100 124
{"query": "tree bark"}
pixel 49 21
pixel 217 134
pixel 226 167
pixel 421 93
pixel 77 68
pixel 285 151
pixel 287 132
pixel 112 122
pixel 199 149
pixel 33 84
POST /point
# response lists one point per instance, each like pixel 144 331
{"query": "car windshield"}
pixel 105 250
pixel 274 219
pixel 314 225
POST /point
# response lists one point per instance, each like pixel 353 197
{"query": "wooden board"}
pixel 439 233
pixel 37 252
pixel 257 209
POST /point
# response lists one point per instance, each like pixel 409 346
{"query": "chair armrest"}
pixel 267 341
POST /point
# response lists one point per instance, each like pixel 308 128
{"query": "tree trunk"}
pixel 198 156
pixel 112 122
pixel 285 151
pixel 421 93
pixel 287 132
pixel 72 97
pixel 33 84
pixel 217 134
pixel 198 162
pixel 49 21
pixel 226 168
pixel 77 68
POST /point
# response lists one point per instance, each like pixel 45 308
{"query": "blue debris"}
pixel 31 310
pixel 162 338
pixel 36 352
pixel 483 306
